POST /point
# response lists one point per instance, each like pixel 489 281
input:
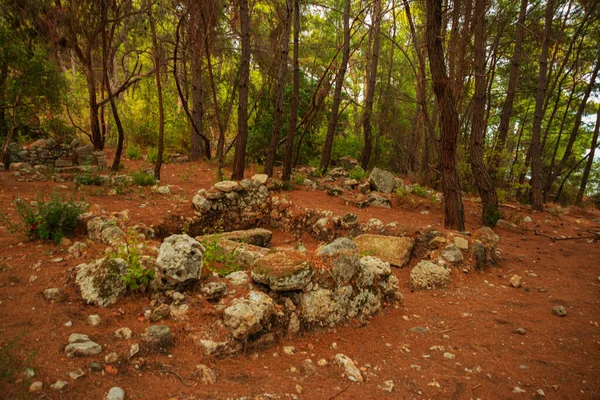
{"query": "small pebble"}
pixel 559 311
pixel 449 356
pixel 115 393
pixel 36 386
pixel 94 320
pixel 518 390
pixel 519 331
pixel 59 385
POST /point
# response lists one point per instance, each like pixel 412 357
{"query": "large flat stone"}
pixel 392 249
pixel 283 271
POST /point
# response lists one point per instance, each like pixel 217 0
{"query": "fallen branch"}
pixel 596 236
pixel 340 392
pixel 181 378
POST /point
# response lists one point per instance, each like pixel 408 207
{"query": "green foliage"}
pixel 50 220
pixel 214 255
pixel 298 178
pixel 419 190
pixel 137 277
pixel 402 192
pixel 133 152
pixel 89 179
pixel 152 155
pixel 357 173
pixel 142 178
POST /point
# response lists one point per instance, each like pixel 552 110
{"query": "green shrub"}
pixel 133 152
pixel 419 190
pixel 214 254
pixel 402 192
pixel 357 173
pixel 89 179
pixel 51 220
pixel 138 277
pixel 142 178
pixel 152 155
pixel 298 179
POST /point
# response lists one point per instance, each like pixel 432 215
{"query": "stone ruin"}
pixel 277 292
pixel 44 158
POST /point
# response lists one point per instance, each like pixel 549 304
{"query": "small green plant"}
pixel 89 179
pixel 137 277
pixel 288 185
pixel 357 173
pixel 50 220
pixel 214 255
pixel 299 179
pixel 133 152
pixel 419 190
pixel 152 155
pixel 402 192
pixel 142 178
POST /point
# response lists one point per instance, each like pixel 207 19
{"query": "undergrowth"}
pixel 137 277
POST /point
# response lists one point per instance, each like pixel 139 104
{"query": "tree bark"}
pixel 197 108
pixel 278 113
pixel 337 92
pixel 590 162
pixel 511 92
pixel 542 86
pixel 485 185
pixel 289 142
pixel 371 82
pixel 239 159
pixel 449 125
pixel 161 110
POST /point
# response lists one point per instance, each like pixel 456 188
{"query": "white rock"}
pixel 94 320
pixel 351 371
pixel 115 393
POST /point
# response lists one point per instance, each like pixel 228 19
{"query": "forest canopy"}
pixel 494 97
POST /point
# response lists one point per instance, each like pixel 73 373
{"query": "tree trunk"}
pixel 590 162
pixel 449 125
pixel 510 94
pixel 487 190
pixel 161 111
pixel 371 82
pixel 278 113
pixel 569 149
pixel 197 108
pixel 542 86
pixel 337 92
pixel 239 159
pixel 289 141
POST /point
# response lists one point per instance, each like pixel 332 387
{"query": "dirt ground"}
pixel 473 319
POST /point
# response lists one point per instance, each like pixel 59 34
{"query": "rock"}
pixel 260 179
pixel 324 308
pixel 388 386
pixel 335 191
pixel 205 375
pixel 342 256
pixel 159 313
pixel 289 350
pixel 94 366
pixel 84 155
pixel 376 266
pixel 76 374
pixel 248 315
pixel 123 333
pixel 452 254
pixel 59 385
pixel 377 200
pixel 559 311
pixel 504 224
pixel 283 271
pixel 238 278
pixel 244 254
pixel 349 163
pixel 515 281
pixel 81 346
pixel 54 294
pixel 115 393
pixel 351 371
pixel 101 281
pixel 449 356
pixel 527 220
pixel 201 204
pixel 427 275
pixel 484 247
pixel 461 243
pixel 217 349
pixel 373 224
pixel 159 336
pixel 364 187
pixel 256 237
pixel 382 181
pixel 322 362
pixel 180 259
pixel 307 368
pixel 518 390
pixel 76 249
pixel 161 189
pixel 519 331
pixel 214 290
pixel 36 387
pixel 349 183
pixel 394 250
pixel 227 186
pixel 94 320
pixel 309 183
pixel 437 242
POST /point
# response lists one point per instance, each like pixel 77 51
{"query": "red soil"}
pixel 473 319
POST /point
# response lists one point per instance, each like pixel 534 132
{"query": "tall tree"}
pixel 289 140
pixel 371 82
pixel 487 190
pixel 278 113
pixel 454 217
pixel 542 86
pixel 239 160
pixel 161 110
pixel 511 92
pixel 590 161
pixel 337 91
